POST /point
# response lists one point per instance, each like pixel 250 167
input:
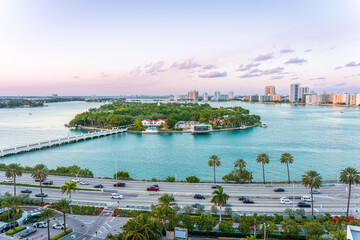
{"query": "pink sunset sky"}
pixel 112 48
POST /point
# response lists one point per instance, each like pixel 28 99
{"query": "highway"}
pixel 333 197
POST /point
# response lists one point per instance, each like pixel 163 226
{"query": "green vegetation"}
pixel 240 163
pixel 192 179
pixel 288 159
pixel 13 103
pixel 15 231
pixel 122 176
pixel 349 176
pixel 63 205
pixel 47 214
pixel 214 161
pixel 40 171
pixel 220 198
pixel 60 235
pixel 120 113
pixel 7 216
pixel 13 170
pixel 312 179
pixel 263 158
pixel 13 203
pixel 170 179
pixel 76 209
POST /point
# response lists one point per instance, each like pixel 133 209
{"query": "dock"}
pixel 60 141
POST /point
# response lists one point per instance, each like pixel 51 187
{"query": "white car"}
pixel 42 224
pixel 116 196
pixel 58 226
pixel 9 180
pixel 306 199
pixel 285 200
pixel 76 180
pixel 84 183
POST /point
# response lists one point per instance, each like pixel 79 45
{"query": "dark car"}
pixel 27 232
pixel 199 196
pixel 303 204
pixel 39 195
pixel 48 182
pixel 195 205
pixel 248 201
pixel 38 179
pixel 172 198
pixel 215 186
pixel 8 226
pixel 98 186
pixel 242 198
pixel 316 192
pixel 153 188
pixel 119 184
pixel 279 190
pixel 26 191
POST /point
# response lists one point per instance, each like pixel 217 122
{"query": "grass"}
pixel 46 186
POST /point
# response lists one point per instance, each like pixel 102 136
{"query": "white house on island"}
pixel 149 123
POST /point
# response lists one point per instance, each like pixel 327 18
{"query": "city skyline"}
pixel 160 48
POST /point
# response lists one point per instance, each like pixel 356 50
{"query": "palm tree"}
pixel 13 170
pixel 165 200
pixel 13 203
pixel 288 159
pixel 220 198
pixel 214 161
pixel 47 215
pixel 142 227
pixel 349 176
pixel 40 171
pixel 312 179
pixel 63 205
pixel 264 159
pixel 241 164
pixel 68 187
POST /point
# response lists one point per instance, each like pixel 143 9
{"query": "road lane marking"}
pixel 112 219
pixel 107 224
pixel 316 210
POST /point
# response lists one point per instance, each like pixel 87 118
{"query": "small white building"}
pixel 146 122
pixel 149 123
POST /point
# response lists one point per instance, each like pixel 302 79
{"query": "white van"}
pixel 306 199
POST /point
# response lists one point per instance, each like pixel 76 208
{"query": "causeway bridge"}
pixel 60 141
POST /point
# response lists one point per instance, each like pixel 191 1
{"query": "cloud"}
pixel 340 84
pixel 352 64
pixel 136 71
pixel 213 74
pixel 295 78
pixel 295 61
pixel 338 68
pixel 209 66
pixel 247 67
pixel 187 64
pixel 264 57
pixel 286 50
pixel 319 78
pixel 272 71
pixel 103 74
pixel 75 77
pixel 276 77
pixel 255 70
pixel 155 68
pixel 249 75
pixel 308 50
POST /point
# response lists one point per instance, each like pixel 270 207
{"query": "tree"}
pixel 226 226
pixel 220 198
pixel 349 176
pixel 13 170
pixel 290 229
pixel 246 224
pixel 187 222
pixel 312 180
pixel 63 205
pixel 13 203
pixel 263 158
pixel 313 228
pixel 288 159
pixel 270 228
pixel 68 187
pixel 40 171
pixel 206 222
pixel 339 234
pixel 192 179
pixel 214 161
pixel 164 212
pixel 47 215
pixel 142 227
pixel 240 163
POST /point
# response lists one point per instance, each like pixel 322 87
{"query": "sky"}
pixel 113 48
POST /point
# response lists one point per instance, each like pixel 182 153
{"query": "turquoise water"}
pixel 321 138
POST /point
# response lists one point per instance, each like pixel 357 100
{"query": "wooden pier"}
pixel 56 142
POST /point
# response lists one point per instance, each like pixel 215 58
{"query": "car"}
pixel 27 232
pixel 119 184
pixel 153 188
pixel 215 186
pixel 98 186
pixel 38 179
pixel 59 226
pixel 303 204
pixel 156 185
pixel 84 183
pixel 286 201
pixel 279 190
pixel 248 200
pixel 199 196
pixel 42 224
pixel 76 180
pixel 172 198
pixel 26 191
pixel 116 196
pixel 39 195
pixel 316 192
pixel 8 226
pixel 242 198
pixel 9 180
pixel 196 205
pixel 306 199
pixel 48 182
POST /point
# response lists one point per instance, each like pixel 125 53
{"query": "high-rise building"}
pixel 217 95
pixel 294 92
pixel 193 95
pixel 302 92
pixel 358 99
pixel 270 90
pixel 231 95
pixel 223 97
pixel 205 97
pixel 353 99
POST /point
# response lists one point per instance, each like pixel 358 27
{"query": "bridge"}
pixel 57 142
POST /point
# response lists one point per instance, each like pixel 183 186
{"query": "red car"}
pixel 153 188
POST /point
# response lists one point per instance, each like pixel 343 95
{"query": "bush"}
pixel 170 179
pixel 226 226
pixel 60 235
pixel 214 210
pixel 187 222
pixel 290 229
pixel 154 179
pixel 289 212
pixel 206 222
pixel 188 209
pixel 300 212
pixel 298 218
pixel 310 218
pixel 16 230
pixel 320 217
pixel 192 179
pixel 122 175
pixel 286 218
pixel 278 218
pixel 228 211
pixel 176 208
pixel 313 229
pixel 235 217
pixel 200 210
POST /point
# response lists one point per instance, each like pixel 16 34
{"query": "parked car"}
pixel 27 232
pixel 195 205
pixel 98 186
pixel 9 180
pixel 8 226
pixel 42 224
pixel 199 196
pixel 242 198
pixel 279 190
pixel 26 191
pixel 39 195
pixel 116 196
pixel 119 184
pixel 316 192
pixel 84 183
pixel 48 182
pixel 248 200
pixel 215 186
pixel 303 204
pixel 153 188
pixel 306 198
pixel 59 226
pixel 76 180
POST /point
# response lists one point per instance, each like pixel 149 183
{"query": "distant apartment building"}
pixel 311 98
pixel 264 98
pixel 302 92
pixel 180 97
pixel 270 90
pixel 358 99
pixel 223 97
pixel 341 98
pixel 353 99
pixel 217 95
pixel 323 98
pixel 193 95
pixel 205 97
pixel 276 98
pixel 231 95
pixel 253 98
pixel 294 92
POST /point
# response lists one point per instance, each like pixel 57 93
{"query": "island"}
pixel 165 117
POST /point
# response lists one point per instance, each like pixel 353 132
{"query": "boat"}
pixel 30 113
pixel 200 129
pixel 150 130
pixel 263 125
